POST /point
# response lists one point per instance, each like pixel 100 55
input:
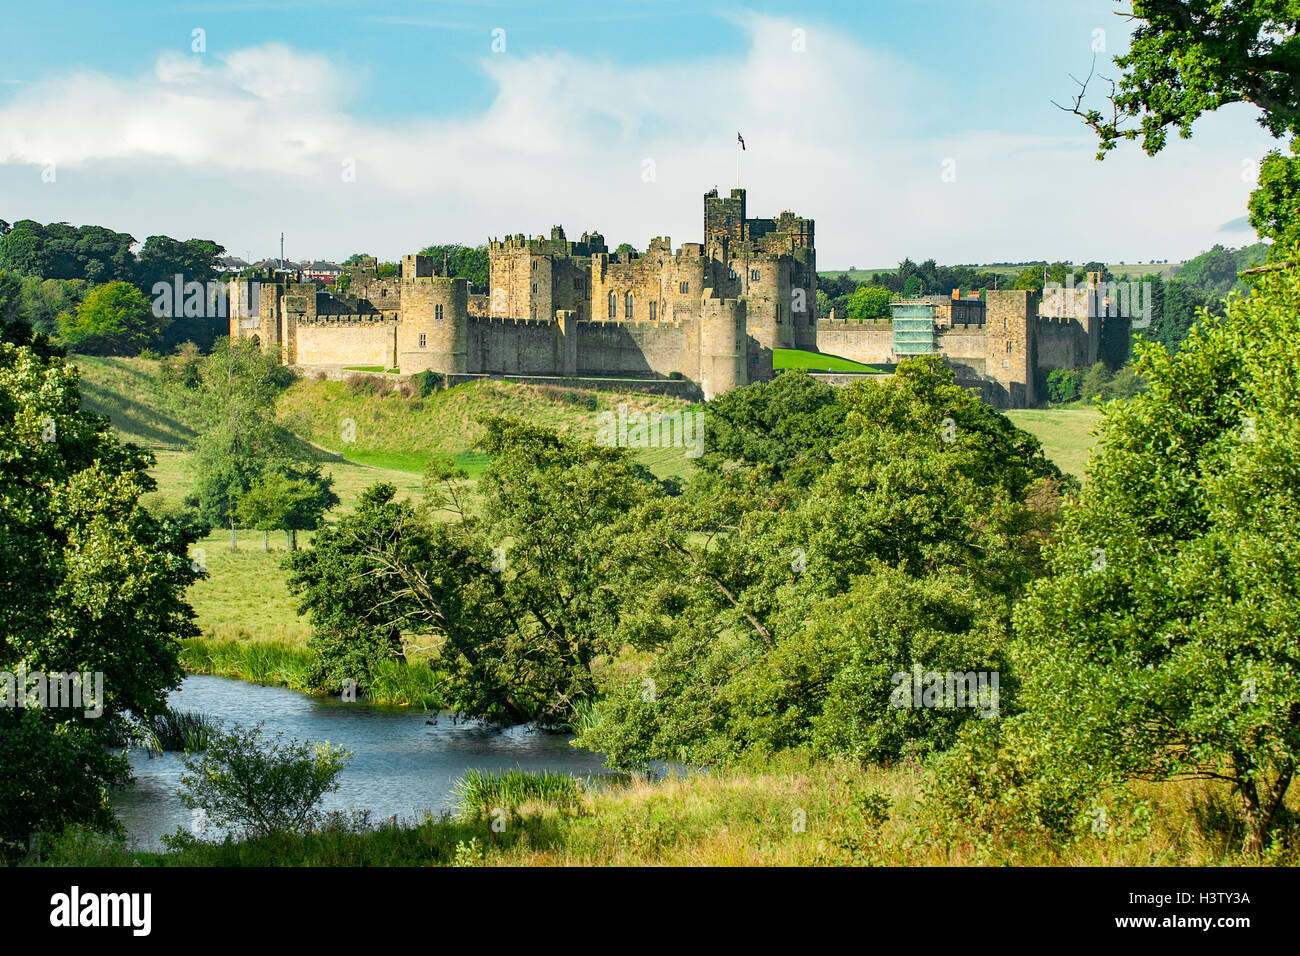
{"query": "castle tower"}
pixel 1009 323
pixel 723 345
pixel 433 331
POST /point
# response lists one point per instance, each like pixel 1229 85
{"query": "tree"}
pixel 1275 203
pixel 625 249
pixel 1189 57
pixel 354 627
pixel 93 582
pixel 236 390
pixel 766 609
pixel 1063 385
pixel 261 786
pixel 280 501
pixel 869 302
pixel 1165 643
pixel 519 602
pixel 1096 384
pixel 790 425
pixel 113 319
pixel 913 287
pixel 464 262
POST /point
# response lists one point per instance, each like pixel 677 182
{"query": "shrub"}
pixel 367 385
pixel 149 354
pixel 1063 385
pixel 1096 384
pixel 428 382
pixel 247 782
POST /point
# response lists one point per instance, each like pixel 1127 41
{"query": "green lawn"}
pixel 816 362
pixel 1066 433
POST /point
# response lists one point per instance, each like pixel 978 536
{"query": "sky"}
pixel 922 128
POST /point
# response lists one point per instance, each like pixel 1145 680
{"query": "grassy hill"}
pixel 816 362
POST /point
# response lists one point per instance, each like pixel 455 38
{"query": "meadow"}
pixel 791 811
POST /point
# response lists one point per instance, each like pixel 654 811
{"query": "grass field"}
pixel 1066 433
pixel 816 362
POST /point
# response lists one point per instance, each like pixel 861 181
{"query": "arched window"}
pixel 613 305
pixel 1008 348
pixel 627 306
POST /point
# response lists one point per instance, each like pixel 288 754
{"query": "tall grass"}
pixel 410 684
pixel 281 664
pixel 481 791
pixel 182 730
pixel 262 662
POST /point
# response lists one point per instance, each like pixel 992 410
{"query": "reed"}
pixel 481 791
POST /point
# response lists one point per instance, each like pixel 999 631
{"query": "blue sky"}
pixel 922 128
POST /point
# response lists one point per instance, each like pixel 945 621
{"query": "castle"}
pixel 710 312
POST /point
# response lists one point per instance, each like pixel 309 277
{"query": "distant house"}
pixel 326 272
pixel 231 264
pixel 273 265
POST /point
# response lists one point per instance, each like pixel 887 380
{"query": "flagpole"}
pixel 737 164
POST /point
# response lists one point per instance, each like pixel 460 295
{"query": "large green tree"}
pixel 1190 57
pixel 1165 645
pixel 91 582
pixel 113 319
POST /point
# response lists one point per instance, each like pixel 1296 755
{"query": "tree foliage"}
pixel 93 582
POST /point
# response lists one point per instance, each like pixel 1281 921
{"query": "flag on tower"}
pixel 741 140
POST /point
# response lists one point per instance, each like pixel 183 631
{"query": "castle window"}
pixel 534 287
pixel 613 306
pixel 654 311
pixel 534 312
pixel 627 306
pixel 778 313
pixel 753 275
pixel 685 287
pixel 534 264
pixel 383 293
pixel 437 312
pixel 1008 348
pixel 1006 323
pixel 731 274
pixel 577 284
pixel 423 341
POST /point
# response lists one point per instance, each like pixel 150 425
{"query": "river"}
pixel 404 761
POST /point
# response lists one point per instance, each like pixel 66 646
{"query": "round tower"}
pixel 723 346
pixel 433 331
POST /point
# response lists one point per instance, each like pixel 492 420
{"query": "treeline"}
pixel 48 271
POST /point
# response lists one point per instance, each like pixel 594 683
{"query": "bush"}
pixel 149 354
pixel 367 385
pixel 428 382
pixel 247 782
pixel 1063 385
pixel 1096 384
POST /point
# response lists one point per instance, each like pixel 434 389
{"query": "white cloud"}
pixel 239 147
